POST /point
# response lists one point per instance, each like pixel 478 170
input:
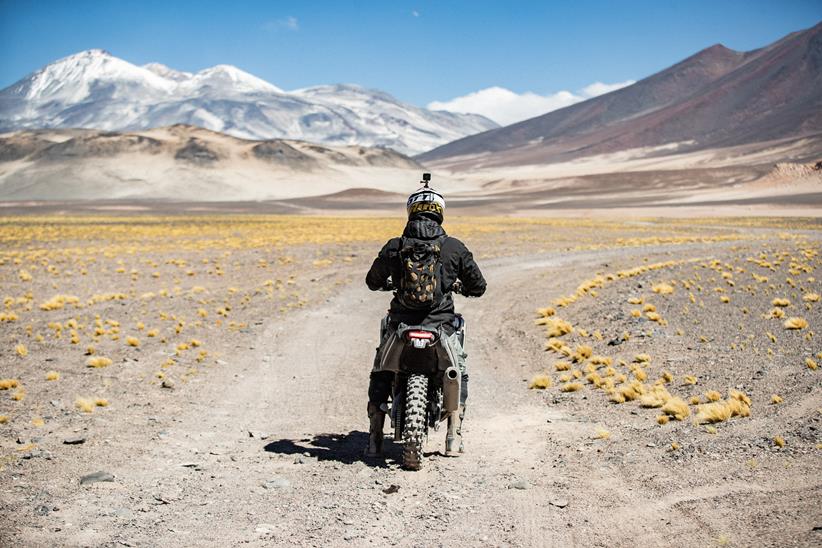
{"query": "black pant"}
pixel 379 387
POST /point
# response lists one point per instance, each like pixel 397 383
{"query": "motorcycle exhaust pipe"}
pixel 451 384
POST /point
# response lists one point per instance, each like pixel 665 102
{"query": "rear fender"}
pixel 392 350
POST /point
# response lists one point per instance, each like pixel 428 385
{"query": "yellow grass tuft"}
pixel 21 350
pixel 554 345
pixel 6 384
pixel 602 434
pixel 776 313
pixel 713 412
pixel 101 402
pixel 583 352
pixel 635 300
pixel 571 387
pixel 674 446
pixel 811 363
pixel 85 405
pixel 649 308
pixel 780 302
pixel 657 397
pixel 667 376
pixel 133 341
pixel 725 299
pixel 776 399
pixel 689 379
pixel 52 376
pixel 556 327
pixel 636 313
pixel 546 312
pixel 98 361
pixel 152 333
pixel 694 400
pixel 633 390
pixel 540 381
pixel 19 395
pixel 739 396
pixel 811 298
pixel 562 366
pixel 38 422
pixel 677 408
pixel 662 419
pixel 616 397
pixel 795 323
pixel 713 395
pixel 779 441
pixel 662 289
pixel 642 358
pixel 4 419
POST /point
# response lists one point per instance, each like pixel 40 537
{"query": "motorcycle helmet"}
pixel 426 202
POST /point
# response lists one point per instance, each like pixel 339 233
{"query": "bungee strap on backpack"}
pixel 420 287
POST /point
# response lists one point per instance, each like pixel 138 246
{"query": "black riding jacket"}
pixel 457 263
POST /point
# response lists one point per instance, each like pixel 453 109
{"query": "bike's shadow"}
pixel 342 448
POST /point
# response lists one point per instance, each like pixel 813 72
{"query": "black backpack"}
pixel 420 286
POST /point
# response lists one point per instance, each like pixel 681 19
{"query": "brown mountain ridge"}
pixel 715 98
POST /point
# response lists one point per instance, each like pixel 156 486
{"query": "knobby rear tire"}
pixel 416 428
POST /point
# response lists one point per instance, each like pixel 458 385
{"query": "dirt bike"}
pixel 426 387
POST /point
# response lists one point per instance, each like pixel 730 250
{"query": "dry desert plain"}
pixel 200 379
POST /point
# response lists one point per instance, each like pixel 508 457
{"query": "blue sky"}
pixel 418 51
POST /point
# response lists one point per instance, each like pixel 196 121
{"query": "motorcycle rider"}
pixel 425 208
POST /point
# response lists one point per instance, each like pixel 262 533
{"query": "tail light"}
pixel 420 339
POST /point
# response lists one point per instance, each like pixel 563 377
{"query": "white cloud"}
pixel 415 13
pixel 598 88
pixel 507 107
pixel 287 23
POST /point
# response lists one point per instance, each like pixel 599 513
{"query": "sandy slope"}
pixel 192 474
pixel 187 164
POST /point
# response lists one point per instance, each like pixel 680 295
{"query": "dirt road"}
pixel 267 452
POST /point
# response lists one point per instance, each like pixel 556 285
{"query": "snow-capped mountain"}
pixel 94 89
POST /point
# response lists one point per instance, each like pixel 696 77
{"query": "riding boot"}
pixel 453 439
pixel 375 435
